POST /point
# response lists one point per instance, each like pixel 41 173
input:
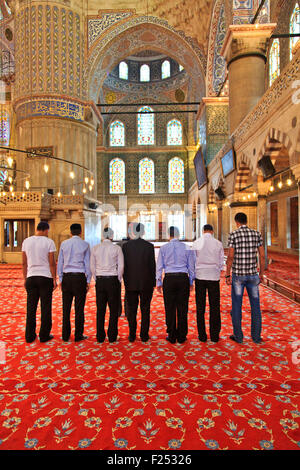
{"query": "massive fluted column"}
pixel 244 49
pixel 48 92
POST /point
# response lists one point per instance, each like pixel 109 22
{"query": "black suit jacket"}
pixel 139 265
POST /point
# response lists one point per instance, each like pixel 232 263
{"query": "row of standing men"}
pixel 133 260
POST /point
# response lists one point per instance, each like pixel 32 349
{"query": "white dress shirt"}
pixel 209 258
pixel 107 260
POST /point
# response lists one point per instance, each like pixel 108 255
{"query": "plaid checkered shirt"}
pixel 245 242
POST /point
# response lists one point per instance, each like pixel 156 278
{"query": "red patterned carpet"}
pixel 149 396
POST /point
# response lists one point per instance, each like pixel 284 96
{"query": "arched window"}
pixel 123 70
pixel 181 68
pixel 117 134
pixel 294 28
pixel 145 73
pixel 274 61
pixel 176 175
pixel 145 126
pixel 146 176
pixel 174 132
pixel 165 69
pixel 117 176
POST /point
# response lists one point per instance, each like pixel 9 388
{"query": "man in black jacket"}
pixel 139 279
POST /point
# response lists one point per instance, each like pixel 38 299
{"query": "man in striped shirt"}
pixel 244 245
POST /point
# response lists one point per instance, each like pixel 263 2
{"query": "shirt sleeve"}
pixel 24 245
pixel 159 268
pixel 191 264
pixel 120 263
pixel 231 241
pixel 259 240
pixel 60 264
pixel 52 247
pixel 87 261
pixel 221 258
pixel 93 263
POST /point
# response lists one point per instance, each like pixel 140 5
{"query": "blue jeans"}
pixel 251 282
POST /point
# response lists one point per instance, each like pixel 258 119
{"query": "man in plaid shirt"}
pixel 244 245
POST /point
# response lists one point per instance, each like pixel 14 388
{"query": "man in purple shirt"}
pixel 178 263
pixel 74 275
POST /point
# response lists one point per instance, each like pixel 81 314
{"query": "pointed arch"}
pixel 117 134
pixel 117 176
pixel 294 27
pixel 145 126
pixel 176 175
pixel 174 132
pixel 146 176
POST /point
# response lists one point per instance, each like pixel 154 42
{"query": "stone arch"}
pixel 135 35
pixel 243 174
pixel 278 145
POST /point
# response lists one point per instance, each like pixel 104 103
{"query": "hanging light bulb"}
pixel 90 187
pixel 27 184
pixel 46 168
pixel 72 174
pixel 23 195
pixel 73 192
pixel 271 188
pixel 10 161
pixel 86 180
pixel 254 194
pixel 10 179
pixel 289 182
pixel 84 190
pixel 59 194
pixel 92 182
pixel 280 184
pixel 11 188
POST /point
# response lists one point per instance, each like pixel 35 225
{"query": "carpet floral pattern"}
pixel 152 395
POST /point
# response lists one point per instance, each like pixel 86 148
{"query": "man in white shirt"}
pixel 209 264
pixel 39 272
pixel 107 267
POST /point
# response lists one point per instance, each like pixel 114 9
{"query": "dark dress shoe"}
pixel 131 338
pixel 82 338
pixel 181 341
pixel 172 341
pixel 47 339
pixel 233 338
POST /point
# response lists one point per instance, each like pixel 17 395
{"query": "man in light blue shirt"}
pixel 74 275
pixel 178 263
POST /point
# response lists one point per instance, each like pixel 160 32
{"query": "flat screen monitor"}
pixel 200 169
pixel 228 162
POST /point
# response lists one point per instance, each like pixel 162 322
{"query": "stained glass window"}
pixel 4 128
pixel 117 134
pixel 146 176
pixel 174 132
pixel 165 69
pixel 274 61
pixel 123 70
pixel 176 175
pixel 145 73
pixel 181 68
pixel 3 177
pixel 145 126
pixel 294 28
pixel 117 176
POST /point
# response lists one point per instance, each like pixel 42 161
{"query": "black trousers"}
pixel 107 292
pixel 133 299
pixel 38 288
pixel 176 290
pixel 213 288
pixel 73 287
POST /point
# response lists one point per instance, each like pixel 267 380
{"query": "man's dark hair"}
pixel 208 228
pixel 75 229
pixel 108 233
pixel 42 226
pixel 173 232
pixel 241 218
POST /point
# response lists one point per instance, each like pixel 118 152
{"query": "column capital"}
pixel 246 39
pixel 211 101
pixel 296 170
